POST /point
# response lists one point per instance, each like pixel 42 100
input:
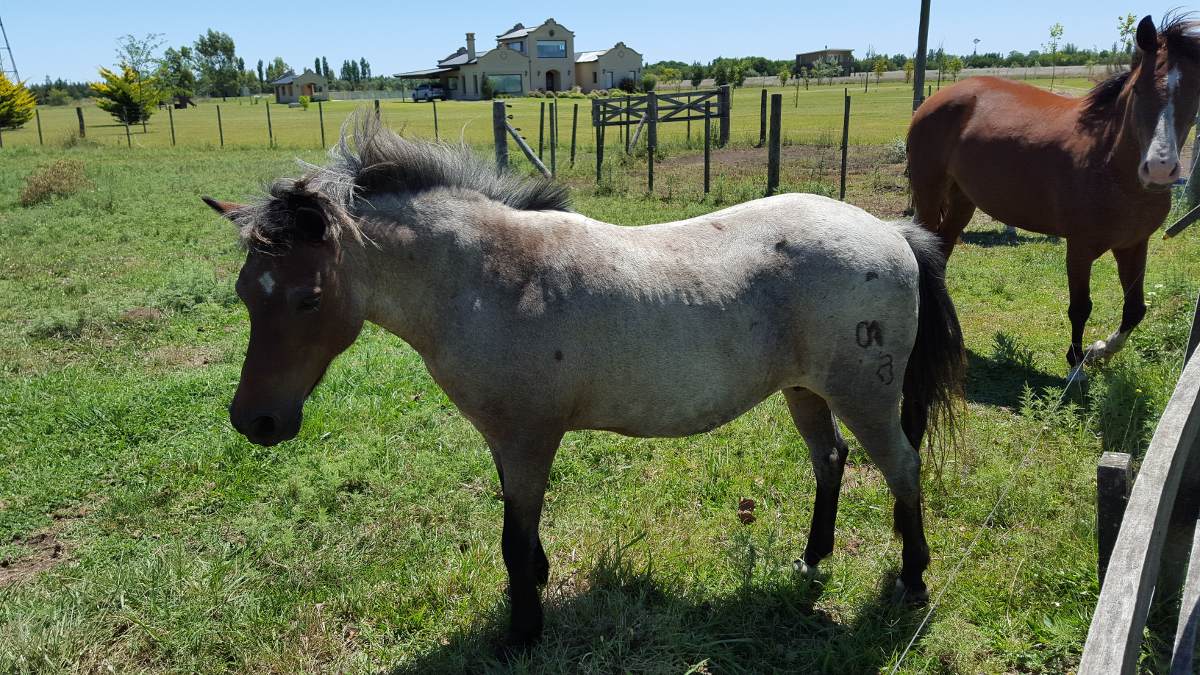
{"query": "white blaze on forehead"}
pixel 1164 146
pixel 267 282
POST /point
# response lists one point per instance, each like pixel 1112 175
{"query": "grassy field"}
pixel 878 116
pixel 140 533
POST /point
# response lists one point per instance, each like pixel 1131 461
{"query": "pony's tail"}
pixel 933 380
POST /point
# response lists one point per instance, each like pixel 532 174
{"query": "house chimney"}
pixel 470 46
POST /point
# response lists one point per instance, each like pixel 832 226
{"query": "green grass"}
pixel 371 542
pixel 879 116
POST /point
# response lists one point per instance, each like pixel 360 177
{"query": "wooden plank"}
pixel 1115 635
pixel 1114 478
pixel 1194 335
pixel 529 153
pixel 1189 614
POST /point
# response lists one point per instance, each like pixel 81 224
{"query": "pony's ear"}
pixel 227 209
pixel 1147 35
pixel 311 223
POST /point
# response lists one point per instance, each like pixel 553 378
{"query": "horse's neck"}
pixel 1115 144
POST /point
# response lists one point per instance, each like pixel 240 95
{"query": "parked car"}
pixel 428 92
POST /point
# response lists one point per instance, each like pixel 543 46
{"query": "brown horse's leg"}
pixel 930 204
pixel 1131 267
pixel 828 451
pixel 524 464
pixel 959 211
pixel 1079 279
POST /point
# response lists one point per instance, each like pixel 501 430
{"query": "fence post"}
pixel 499 134
pixel 171 122
pixel 128 140
pixel 574 124
pixel 723 101
pixel 845 142
pixel 707 142
pixel 79 114
pixel 220 128
pixel 625 129
pixel 376 114
pixel 38 115
pixel 599 124
pixel 541 128
pixel 773 146
pixel 762 119
pixel 651 138
pixel 436 134
pixel 270 132
pixel 321 118
pixel 1114 478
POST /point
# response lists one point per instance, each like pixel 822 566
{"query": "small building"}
pixel 526 59
pixel 843 57
pixel 290 87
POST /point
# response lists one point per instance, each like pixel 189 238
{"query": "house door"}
pixel 551 80
pixel 608 79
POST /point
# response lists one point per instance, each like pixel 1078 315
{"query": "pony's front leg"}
pixel 523 461
pixel 1131 267
pixel 1079 280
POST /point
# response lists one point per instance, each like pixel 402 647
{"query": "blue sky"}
pixel 70 39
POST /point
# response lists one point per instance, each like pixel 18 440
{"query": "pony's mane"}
pixel 369 160
pixel 1180 32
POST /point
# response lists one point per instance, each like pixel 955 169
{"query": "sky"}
pixel 71 39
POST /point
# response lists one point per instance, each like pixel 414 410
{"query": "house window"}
pixel 506 84
pixel 552 49
pixel 475 82
pixel 517 46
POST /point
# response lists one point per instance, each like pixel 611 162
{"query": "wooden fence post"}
pixel 845 143
pixel 270 132
pixel 1114 479
pixel 171 122
pixel 79 114
pixel 220 128
pixel 541 128
pixel 321 118
pixel 625 129
pixel 723 100
pixel 598 123
pixel 38 115
pixel 554 137
pixel 773 146
pixel 651 138
pixel 499 135
pixel 376 113
pixel 762 119
pixel 436 134
pixel 707 143
pixel 128 139
pixel 574 124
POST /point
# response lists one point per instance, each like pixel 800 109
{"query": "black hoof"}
pixel 915 595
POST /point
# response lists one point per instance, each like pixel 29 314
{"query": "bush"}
pixel 627 85
pixel 62 178
pixel 304 102
pixel 58 97
pixel 16 103
pixel 127 97
pixel 486 90
pixel 649 82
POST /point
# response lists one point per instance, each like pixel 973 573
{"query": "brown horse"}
pixel 1095 170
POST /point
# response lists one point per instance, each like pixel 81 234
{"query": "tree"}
pixel 954 66
pixel 783 74
pixel 262 80
pixel 1056 32
pixel 138 53
pixel 364 69
pixel 17 103
pixel 697 74
pixel 217 63
pixel 909 67
pixel 1127 28
pixel 277 68
pixel 879 67
pixel 737 75
pixel 127 97
pixel 317 65
pixel 720 73
pixel 325 68
pixel 175 72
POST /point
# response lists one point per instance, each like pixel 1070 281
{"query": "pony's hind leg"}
pixel 1131 267
pixel 828 450
pixel 959 211
pixel 880 432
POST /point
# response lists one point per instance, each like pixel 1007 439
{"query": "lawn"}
pixel 139 532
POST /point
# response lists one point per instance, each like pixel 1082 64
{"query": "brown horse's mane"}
pixel 371 160
pixel 1179 31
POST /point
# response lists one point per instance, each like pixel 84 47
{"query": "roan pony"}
pixel 1096 170
pixel 537 321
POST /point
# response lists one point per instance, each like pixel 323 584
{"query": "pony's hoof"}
pixel 1077 376
pixel 903 594
pixel 810 571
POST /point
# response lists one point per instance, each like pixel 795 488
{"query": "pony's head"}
pixel 1165 91
pixel 302 311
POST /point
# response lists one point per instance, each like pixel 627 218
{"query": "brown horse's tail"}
pixel 933 380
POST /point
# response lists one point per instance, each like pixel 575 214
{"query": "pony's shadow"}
pixel 993 238
pixel 1001 381
pixel 626 621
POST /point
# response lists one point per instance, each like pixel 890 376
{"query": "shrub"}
pixel 16 103
pixel 58 97
pixel 304 102
pixel 128 97
pixel 486 90
pixel 649 82
pixel 532 94
pixel 62 178
pixel 627 85
pixel 190 287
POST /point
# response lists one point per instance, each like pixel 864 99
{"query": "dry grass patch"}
pixel 62 178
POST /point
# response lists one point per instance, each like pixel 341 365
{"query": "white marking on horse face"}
pixel 267 282
pixel 1160 165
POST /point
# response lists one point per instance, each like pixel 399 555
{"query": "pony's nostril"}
pixel 262 426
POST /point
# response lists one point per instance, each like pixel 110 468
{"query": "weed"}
pixel 60 179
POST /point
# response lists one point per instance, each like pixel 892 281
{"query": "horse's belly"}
pixel 670 415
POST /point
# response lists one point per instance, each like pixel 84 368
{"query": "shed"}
pixel 290 87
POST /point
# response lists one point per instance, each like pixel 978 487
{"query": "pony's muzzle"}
pixel 1159 173
pixel 263 428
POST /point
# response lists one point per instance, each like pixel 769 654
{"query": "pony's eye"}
pixel 310 303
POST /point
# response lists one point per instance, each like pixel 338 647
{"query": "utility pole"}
pixel 5 48
pixel 922 49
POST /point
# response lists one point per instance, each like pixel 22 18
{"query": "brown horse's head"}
pixel 302 311
pixel 1165 94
